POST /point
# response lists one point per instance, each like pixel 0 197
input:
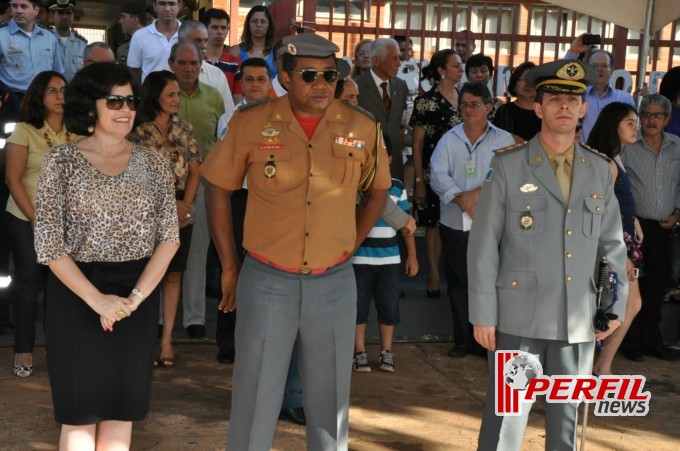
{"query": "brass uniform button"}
pixel 514 283
pixel 528 207
pixel 568 278
pixel 568 211
pixel 569 232
pixel 569 255
pixel 598 208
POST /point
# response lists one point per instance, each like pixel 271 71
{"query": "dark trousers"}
pixel 27 281
pixel 454 251
pixel 645 333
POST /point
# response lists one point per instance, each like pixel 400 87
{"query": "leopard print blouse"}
pixel 93 217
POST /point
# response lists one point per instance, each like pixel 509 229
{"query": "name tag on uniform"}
pixel 15 52
pixel 359 144
pixel 271 146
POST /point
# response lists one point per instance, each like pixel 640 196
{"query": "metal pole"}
pixel 644 48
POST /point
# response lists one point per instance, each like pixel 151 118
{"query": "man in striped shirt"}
pixel 653 164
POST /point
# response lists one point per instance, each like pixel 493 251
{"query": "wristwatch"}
pixel 419 179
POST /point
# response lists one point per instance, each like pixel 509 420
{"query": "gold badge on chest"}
pixel 270 169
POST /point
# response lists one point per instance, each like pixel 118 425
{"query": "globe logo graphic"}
pixel 521 369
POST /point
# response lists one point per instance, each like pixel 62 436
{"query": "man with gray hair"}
pixel 196 32
pixel 98 52
pixel 599 94
pixel 653 164
pixel 384 95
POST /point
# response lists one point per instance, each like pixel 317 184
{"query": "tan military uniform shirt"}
pixel 301 192
pixel 122 51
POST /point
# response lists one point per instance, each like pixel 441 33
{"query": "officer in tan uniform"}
pixel 305 155
pixel 546 208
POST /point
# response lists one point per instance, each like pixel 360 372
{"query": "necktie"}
pixel 385 96
pixel 563 177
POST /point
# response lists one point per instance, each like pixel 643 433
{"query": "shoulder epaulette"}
pixel 511 148
pixel 4 24
pixel 44 27
pixel 359 109
pixel 79 36
pixel 252 104
pixel 596 152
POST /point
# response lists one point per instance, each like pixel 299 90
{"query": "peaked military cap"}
pixel 62 5
pixel 562 77
pixel 311 45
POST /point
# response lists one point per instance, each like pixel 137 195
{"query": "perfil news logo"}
pixel 519 379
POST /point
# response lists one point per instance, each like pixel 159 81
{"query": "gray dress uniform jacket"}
pixel 370 99
pixel 538 281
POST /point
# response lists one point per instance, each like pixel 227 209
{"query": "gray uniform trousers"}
pixel 276 308
pixel 193 288
pixel 504 433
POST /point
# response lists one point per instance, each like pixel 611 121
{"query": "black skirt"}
pixel 97 375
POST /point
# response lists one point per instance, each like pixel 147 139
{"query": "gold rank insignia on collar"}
pixel 538 159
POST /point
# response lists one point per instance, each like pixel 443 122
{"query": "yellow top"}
pixel 38 142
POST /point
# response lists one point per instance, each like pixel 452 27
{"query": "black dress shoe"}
pixel 296 415
pixel 458 351
pixel 225 357
pixel 664 353
pixel 196 331
pixel 633 355
pixel 433 293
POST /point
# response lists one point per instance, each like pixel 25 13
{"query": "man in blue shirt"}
pixel 458 167
pixel 26 49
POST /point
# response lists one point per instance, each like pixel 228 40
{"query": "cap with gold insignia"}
pixel 311 45
pixel 562 77
pixel 133 7
pixel 62 5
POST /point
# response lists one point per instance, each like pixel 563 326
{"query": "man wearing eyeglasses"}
pixel 150 46
pixel 458 167
pixel 653 163
pixel 305 155
pixel 599 94
pixel 546 210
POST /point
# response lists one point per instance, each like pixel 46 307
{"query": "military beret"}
pixel 133 7
pixel 343 67
pixel 562 77
pixel 310 45
pixel 62 5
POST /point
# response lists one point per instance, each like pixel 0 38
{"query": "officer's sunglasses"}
pixel 309 75
pixel 116 102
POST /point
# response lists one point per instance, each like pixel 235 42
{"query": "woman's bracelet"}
pixel 136 292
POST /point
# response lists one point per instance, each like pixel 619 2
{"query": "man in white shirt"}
pixel 150 46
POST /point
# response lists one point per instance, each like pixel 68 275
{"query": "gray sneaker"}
pixel 386 361
pixel 360 364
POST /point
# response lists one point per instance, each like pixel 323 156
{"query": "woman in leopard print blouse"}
pixel 106 225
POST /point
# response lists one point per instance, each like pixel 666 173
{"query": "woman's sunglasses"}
pixel 309 75
pixel 116 102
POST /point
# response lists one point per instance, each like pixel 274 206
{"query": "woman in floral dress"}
pixel 434 113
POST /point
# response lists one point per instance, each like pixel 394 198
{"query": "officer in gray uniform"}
pixel 546 213
pixel 71 44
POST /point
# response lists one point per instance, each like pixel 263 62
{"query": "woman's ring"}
pixel 120 314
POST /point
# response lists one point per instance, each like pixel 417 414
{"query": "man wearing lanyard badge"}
pixel 458 167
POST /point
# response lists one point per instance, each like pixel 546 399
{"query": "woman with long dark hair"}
pixel 106 224
pixel 41 126
pixel 434 113
pixel 258 38
pixel 617 126
pixel 174 138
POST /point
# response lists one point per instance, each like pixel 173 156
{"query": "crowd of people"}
pixel 136 176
